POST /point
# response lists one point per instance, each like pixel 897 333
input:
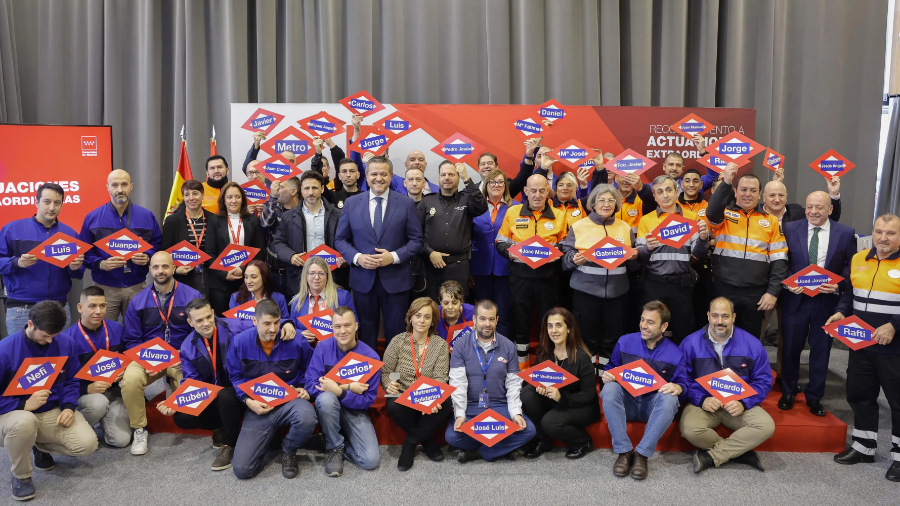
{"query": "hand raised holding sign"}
pixel 729 172
pixel 318 143
pixel 834 186
pixel 258 138
pixel 530 145
pixel 703 229
pixel 582 176
pixel 699 141
pixel 461 171
pixel 779 175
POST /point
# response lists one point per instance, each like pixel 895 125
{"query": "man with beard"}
pixel 216 177
pixel 120 279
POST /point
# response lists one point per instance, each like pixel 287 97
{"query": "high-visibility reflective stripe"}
pixel 895 456
pixel 777 256
pixel 521 347
pixel 888 297
pixel 778 245
pixel 600 271
pixel 862 449
pixel 503 238
pixel 734 239
pixel 681 257
pixel 876 308
pixel 895 440
pixel 740 254
pixel 640 241
pixel 865 434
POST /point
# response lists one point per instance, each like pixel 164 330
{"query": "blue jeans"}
pixel 463 441
pixel 259 430
pixel 17 317
pixel 656 409
pixel 361 445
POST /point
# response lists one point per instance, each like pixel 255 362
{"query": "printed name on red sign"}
pixel 691 125
pixel 609 253
pixel 290 139
pixel 262 121
pixel 773 160
pixel 60 249
pixel 329 255
pixel 529 127
pixel 832 164
pixel 185 254
pixel 489 427
pixel 726 386
pixel 397 126
pixel 629 162
pixel 372 140
pixel 362 103
pixel 535 251
pixel 552 111
pixel 459 148
pixel 269 389
pixel 35 374
pixel 319 323
pixel 853 332
pixel 104 366
pixel 425 394
pixel 638 378
pixel 256 192
pixel 675 230
pixel 718 164
pixel 322 125
pixel 459 331
pixel 547 374
pixel 572 153
pixel 123 243
pixel 279 168
pixel 245 311
pixel 354 368
pixel 811 278
pixel 154 356
pixel 192 397
pixel 234 255
pixel 735 146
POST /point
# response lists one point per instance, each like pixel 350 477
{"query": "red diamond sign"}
pixel 154 356
pixel 192 397
pixel 832 164
pixel 234 255
pixel 852 331
pixel 629 162
pixel 60 249
pixel 551 110
pixel 279 168
pixel 461 330
pixel 329 255
pixel 290 139
pixel 458 148
pixel 185 254
pixel 609 253
pixel 104 366
pixel 489 428
pixel 322 125
pixel 735 146
pixel 529 127
pixel 256 192
pixel 123 243
pixel 319 323
pixel 572 153
pixel 811 278
pixel 269 389
pixel 638 378
pixel 726 386
pixel 535 251
pixel 547 374
pixel 262 121
pixel 362 103
pixel 718 164
pixel 245 311
pixel 35 374
pixel 675 230
pixel 397 126
pixel 354 368
pixel 425 394
pixel 773 160
pixel 371 140
pixel 691 125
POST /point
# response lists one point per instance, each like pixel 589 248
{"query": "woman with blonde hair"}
pixel 317 292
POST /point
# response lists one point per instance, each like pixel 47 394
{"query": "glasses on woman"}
pixel 496 183
pixel 315 274
pixel 610 202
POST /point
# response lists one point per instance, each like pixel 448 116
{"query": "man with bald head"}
pixel 775 197
pixel 156 311
pixel 813 240
pixel 531 289
pixel 120 279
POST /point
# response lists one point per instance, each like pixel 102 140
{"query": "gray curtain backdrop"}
pixel 889 190
pixel 813 69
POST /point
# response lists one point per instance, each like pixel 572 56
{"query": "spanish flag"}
pixel 182 174
pixel 212 144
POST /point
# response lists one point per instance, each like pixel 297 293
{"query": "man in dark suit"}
pixel 378 234
pixel 815 240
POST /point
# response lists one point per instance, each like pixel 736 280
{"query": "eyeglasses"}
pixel 312 274
pixel 252 173
pixel 496 183
pixel 611 202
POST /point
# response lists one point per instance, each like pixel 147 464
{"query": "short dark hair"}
pixel 267 307
pixel 486 304
pixel 665 316
pixel 192 185
pixel 216 157
pixel 692 171
pixel 445 162
pixel 52 187
pixel 345 161
pixel 382 159
pixel 92 291
pixel 194 304
pixel 293 182
pixel 343 310
pixel 750 175
pixel 674 153
pixel 452 288
pixel 311 174
pixel 492 155
pixel 48 316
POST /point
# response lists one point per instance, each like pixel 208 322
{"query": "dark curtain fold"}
pixel 888 200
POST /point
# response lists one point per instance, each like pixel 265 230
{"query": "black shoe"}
pixel 786 402
pixel 334 464
pixel 315 443
pixel 816 408
pixel 289 467
pixel 217 439
pixel 537 450
pixel 893 472
pixel 702 460
pixel 750 458
pixel 850 456
pixel 468 456
pixel 432 450
pixel 407 456
pixel 581 451
pixel 43 461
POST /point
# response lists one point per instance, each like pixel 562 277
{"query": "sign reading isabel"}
pixel 773 160
pixel 397 126
pixel 551 111
pixel 322 125
pixel 535 251
pixel 319 323
pixel 458 148
pixel 572 153
pixel 609 253
pixel 192 397
pixel 461 330
pixel 638 378
pixel 726 386
pixel 104 366
pixel 735 146
pixel 35 374
pixel 832 164
pixel 529 127
pixel 245 311
pixel 123 243
pixel 372 140
pixel 262 121
pixel 234 255
pixel 256 192
pixel 675 230
pixel 425 394
pixel 354 368
pixel 154 356
pixel 269 389
pixel 629 162
pixel 490 427
pixel 279 168
pixel 185 254
pixel 547 374
pixel 290 139
pixel 328 254
pixel 852 331
pixel 362 103
pixel 60 249
pixel 811 278
pixel 718 164
pixel 691 125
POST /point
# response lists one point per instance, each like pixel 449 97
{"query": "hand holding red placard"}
pixel 455 332
pixel 185 254
pixel 104 366
pixel 192 397
pixel 811 278
pixel 638 378
pixel 547 374
pixel 319 323
pixel 354 368
pixel 60 249
pixel 489 427
pixel 853 332
pixel 35 374
pixel 692 125
pixel 269 389
pixel 362 103
pixel 675 230
pixel 234 255
pixel 425 394
pixel 328 254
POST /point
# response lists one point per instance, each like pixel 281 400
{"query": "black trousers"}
pixel 868 372
pixel 601 321
pixel 226 412
pixel 529 296
pixel 551 422
pixel 745 299
pixel 566 293
pixel 417 425
pixel 434 278
pixel 679 300
pixel 632 311
pixel 219 298
pixel 702 293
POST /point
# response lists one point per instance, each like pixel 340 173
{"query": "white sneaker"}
pixel 139 444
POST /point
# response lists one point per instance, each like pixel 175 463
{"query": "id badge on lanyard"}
pixel 127 267
pixel 483 398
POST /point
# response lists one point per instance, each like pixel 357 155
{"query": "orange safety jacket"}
pixel 876 294
pixel 521 223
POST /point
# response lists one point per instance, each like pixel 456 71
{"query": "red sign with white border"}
pixel 192 397
pixel 155 355
pixel 35 374
pixel 354 368
pixel 852 331
pixel 535 251
pixel 425 394
pixel 489 427
pixel 123 243
pixel 547 374
pixel 726 386
pixel 60 249
pixel 811 278
pixel 638 378
pixel 269 389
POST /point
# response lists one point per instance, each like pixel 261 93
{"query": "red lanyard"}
pixel 313 303
pixel 171 301
pixel 235 238
pixel 444 320
pixel 214 351
pixel 412 348
pixel 198 240
pixel 88 339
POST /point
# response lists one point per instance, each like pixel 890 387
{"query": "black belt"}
pixel 685 279
pixel 456 258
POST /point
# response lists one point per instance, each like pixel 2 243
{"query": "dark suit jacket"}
pixel 841 248
pixel 253 237
pixel 401 233
pixel 794 212
pixel 175 230
pixel 290 238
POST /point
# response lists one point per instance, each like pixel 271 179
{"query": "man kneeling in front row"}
pixel 46 421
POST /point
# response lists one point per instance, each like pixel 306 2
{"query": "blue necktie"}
pixel 377 222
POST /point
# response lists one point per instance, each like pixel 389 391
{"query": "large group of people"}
pixel 433 269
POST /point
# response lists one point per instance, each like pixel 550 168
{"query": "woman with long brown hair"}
pixel 563 413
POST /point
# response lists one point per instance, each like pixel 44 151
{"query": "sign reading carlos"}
pixel 354 368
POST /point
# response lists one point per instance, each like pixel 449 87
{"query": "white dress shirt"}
pixel 823 241
pixel 372 205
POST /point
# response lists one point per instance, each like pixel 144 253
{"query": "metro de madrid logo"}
pixel 535 251
pixel 629 162
pixel 458 148
pixel 810 278
pixel 245 311
pixel 192 397
pixel 154 355
pixel 123 243
pixel 319 323
pixel 735 146
pixel 185 254
pixel 832 163
pixel 354 368
pixel 609 253
pixel 262 120
pixel 726 386
pixel 489 427
pixel 362 103
pixel 638 378
pixel 269 389
pixel 547 374
pixel 572 153
pixel 852 331
pixel 675 230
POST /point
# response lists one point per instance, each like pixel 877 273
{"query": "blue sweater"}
pixel 247 360
pixel 105 220
pixel 326 356
pixel 196 363
pixel 743 354
pixel 98 337
pixel 665 358
pixel 64 391
pixel 143 321
pixel 468 312
pixel 43 280
pixel 275 296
